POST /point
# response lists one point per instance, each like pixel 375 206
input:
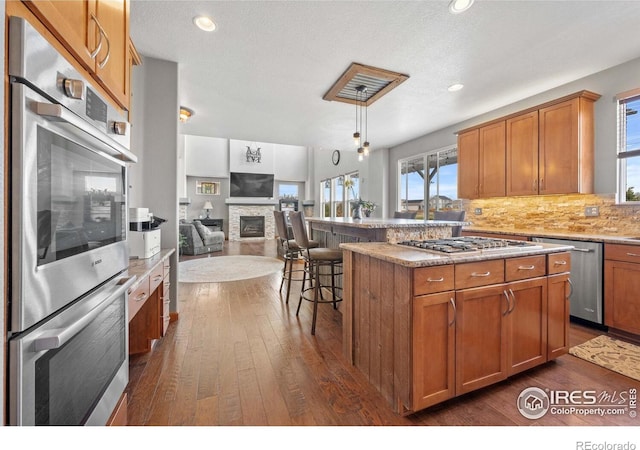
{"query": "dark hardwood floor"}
pixel 238 355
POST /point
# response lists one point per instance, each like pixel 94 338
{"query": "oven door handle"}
pixel 56 112
pixel 56 338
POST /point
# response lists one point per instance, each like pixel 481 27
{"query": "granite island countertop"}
pixel 413 257
pixel 607 239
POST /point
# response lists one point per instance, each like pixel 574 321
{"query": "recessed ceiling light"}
pixel 204 23
pixel 455 87
pixel 458 6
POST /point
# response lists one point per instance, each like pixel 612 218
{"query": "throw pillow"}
pixel 203 231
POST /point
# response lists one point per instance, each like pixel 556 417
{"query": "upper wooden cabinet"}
pixel 522 154
pixel 481 162
pixel 566 149
pixel 96 33
pixel 548 149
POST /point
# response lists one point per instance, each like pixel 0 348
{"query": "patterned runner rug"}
pixel 611 354
pixel 227 268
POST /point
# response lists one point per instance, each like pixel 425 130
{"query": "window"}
pixel 288 191
pixel 334 198
pixel 629 147
pixel 432 176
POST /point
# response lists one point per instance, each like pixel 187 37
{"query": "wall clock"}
pixel 335 157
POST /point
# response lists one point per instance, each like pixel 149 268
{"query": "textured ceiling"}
pixel 262 74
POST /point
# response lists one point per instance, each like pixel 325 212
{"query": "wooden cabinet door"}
pixel 433 370
pixel 481 347
pixel 492 160
pixel 621 300
pixel 558 291
pixel 70 22
pixel 559 148
pixel 468 164
pixel 112 62
pixel 522 154
pixel 527 324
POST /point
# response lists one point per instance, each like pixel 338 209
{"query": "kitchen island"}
pixel 424 326
pixel 331 232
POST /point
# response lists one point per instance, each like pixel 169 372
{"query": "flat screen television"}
pixel 251 184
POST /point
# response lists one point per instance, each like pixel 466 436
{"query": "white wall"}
pixel 290 163
pixel 154 179
pixel 238 160
pixel 607 83
pixel 206 156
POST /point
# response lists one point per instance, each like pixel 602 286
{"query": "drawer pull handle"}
pixel 157 278
pixel 560 263
pixel 531 267
pixel 632 254
pixel 476 274
pixel 506 296
pixel 141 296
pixel 435 280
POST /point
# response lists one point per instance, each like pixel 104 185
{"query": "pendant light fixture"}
pixel 361 97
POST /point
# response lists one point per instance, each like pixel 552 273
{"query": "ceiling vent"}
pixel 377 81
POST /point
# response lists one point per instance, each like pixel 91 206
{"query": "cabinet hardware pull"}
pixel 583 250
pixel 531 267
pixel 140 296
pixel 535 185
pixel 453 305
pixel 476 274
pixel 571 288
pixel 560 263
pixel 102 63
pixel 157 277
pixel 542 188
pixel 434 280
pixel 95 52
pixel 632 254
pixel 513 304
pixel 508 303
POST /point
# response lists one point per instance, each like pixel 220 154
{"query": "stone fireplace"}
pixel 253 217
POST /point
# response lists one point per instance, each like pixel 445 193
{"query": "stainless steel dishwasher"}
pixel 586 279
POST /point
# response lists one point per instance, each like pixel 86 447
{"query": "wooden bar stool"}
pixel 315 258
pixel 290 251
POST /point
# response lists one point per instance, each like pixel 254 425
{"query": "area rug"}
pixel 218 269
pixel 611 354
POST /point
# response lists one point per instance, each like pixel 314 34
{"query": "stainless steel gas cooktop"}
pixel 467 244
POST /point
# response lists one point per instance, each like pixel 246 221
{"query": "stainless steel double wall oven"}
pixel 68 343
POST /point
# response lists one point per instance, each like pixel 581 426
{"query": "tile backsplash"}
pixel 556 213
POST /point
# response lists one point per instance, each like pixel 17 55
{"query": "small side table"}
pixel 213 224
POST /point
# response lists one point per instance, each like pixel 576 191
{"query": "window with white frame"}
pixel 629 147
pixel 432 176
pixel 335 197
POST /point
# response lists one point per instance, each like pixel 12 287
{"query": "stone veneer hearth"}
pixel 237 210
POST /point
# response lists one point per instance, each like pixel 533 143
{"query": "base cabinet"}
pixel 433 349
pixel 558 306
pixel 621 287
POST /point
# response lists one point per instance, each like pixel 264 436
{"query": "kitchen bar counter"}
pixel 331 232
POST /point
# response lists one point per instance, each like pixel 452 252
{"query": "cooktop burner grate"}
pixel 468 244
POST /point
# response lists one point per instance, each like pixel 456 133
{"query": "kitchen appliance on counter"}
pixel 144 244
pixel 68 347
pixel 586 279
pixel 466 244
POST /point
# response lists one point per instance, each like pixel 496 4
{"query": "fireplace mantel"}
pixel 250 201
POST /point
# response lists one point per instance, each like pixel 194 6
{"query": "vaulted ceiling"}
pixel 261 76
